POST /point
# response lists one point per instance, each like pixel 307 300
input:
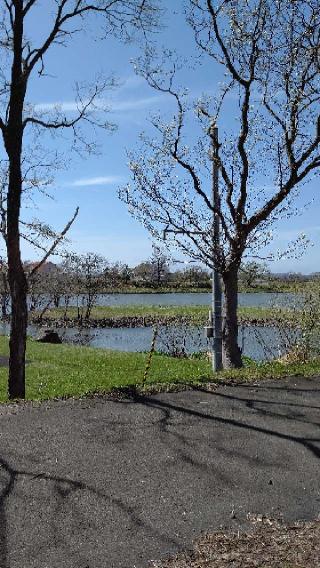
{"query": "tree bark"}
pixel 5 296
pixel 16 276
pixel 231 352
pixel 18 332
pixel 17 283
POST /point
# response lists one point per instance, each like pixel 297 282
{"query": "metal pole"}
pixel 216 281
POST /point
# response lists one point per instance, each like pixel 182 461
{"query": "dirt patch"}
pixel 269 545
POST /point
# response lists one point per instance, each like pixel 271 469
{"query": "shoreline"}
pixel 148 321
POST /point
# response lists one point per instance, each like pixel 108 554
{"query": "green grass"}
pixel 194 314
pixel 271 370
pixel 272 286
pixel 183 289
pixel 65 371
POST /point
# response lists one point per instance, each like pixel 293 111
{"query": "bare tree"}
pixel 115 275
pixel 142 274
pixel 252 272
pixel 159 263
pixel 153 272
pixel 24 59
pixel 269 51
pixel 192 277
pixel 87 274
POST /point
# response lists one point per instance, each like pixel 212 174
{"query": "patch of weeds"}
pixel 270 544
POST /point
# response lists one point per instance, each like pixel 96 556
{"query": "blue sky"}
pixel 103 224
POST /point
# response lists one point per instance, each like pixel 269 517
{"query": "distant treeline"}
pixel 87 275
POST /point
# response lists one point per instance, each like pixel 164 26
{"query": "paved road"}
pixel 105 484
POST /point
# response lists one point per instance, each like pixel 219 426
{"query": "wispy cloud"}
pixel 61 106
pixel 100 180
pixel 131 82
pixel 135 104
pixel 123 105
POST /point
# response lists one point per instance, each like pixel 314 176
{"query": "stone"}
pixel 49 336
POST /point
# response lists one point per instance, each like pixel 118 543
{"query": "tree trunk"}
pixel 4 296
pixel 231 351
pixel 17 280
pixel 46 307
pixel 4 306
pixel 18 332
pixel 17 283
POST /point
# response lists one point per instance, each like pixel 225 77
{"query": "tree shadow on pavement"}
pixel 197 438
pixel 168 408
pixel 64 488
pixel 290 411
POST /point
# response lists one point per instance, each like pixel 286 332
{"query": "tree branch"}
pixel 113 9
pixel 28 5
pixel 224 50
pixel 55 244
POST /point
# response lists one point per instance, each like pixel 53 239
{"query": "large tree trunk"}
pixel 231 351
pixel 18 288
pixel 18 331
pixel 17 280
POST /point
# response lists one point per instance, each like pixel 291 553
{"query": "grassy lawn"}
pixel 63 370
pixel 194 314
pixel 271 286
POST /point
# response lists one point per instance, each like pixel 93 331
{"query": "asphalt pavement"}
pixel 95 483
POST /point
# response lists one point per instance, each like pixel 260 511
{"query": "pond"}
pixel 259 343
pixel 191 299
pixel 181 299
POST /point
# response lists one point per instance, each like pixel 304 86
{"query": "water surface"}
pixel 259 343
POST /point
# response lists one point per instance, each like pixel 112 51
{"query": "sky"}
pixel 103 224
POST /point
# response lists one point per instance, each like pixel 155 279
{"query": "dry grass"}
pixel 269 545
